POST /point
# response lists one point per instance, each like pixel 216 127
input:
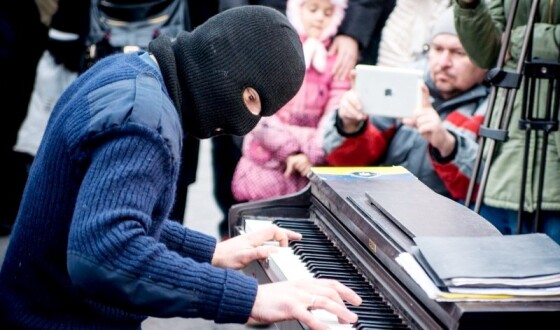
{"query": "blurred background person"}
pixel 81 32
pixel 23 37
pixel 439 143
pixel 480 25
pixel 405 37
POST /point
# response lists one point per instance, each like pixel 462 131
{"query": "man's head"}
pixel 241 64
pixel 451 69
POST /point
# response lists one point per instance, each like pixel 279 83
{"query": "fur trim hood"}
pixel 293 11
pixel 314 50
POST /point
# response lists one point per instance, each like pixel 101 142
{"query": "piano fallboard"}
pixel 371 220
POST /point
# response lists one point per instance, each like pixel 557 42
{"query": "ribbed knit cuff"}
pixel 199 246
pixel 238 299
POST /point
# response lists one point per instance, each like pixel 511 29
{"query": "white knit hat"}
pixel 444 24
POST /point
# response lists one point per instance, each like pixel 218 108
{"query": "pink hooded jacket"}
pixel 297 127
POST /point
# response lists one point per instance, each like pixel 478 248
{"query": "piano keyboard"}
pixel 316 256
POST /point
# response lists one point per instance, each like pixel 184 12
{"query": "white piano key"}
pixel 255 224
pixel 330 319
pixel 289 264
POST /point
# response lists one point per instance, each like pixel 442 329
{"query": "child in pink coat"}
pixel 278 154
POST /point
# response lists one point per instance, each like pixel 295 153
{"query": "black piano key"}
pixel 318 259
pixel 376 313
pixel 328 252
pixel 370 305
pixel 363 291
pixel 316 243
pixel 295 224
pixel 314 268
pixel 342 278
pixel 329 264
pixel 379 325
pixel 378 317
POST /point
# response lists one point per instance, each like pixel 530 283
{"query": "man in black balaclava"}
pixel 96 204
pixel 207 70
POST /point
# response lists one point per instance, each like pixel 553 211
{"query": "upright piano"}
pixel 355 222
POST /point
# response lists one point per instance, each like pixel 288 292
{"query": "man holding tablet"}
pixel 438 143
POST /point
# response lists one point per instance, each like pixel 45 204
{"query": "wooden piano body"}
pixel 371 216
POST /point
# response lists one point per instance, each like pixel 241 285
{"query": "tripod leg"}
pixel 526 117
pixel 552 118
pixel 489 115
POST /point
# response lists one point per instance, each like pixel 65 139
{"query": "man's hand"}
pixel 347 52
pixel 351 112
pixel 297 163
pixel 239 251
pixel 294 300
pixel 430 126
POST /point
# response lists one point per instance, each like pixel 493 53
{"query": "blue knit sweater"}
pixel 91 247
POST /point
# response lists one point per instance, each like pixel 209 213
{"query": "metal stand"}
pixel 536 72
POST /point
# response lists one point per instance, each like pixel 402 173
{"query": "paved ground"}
pixel 202 214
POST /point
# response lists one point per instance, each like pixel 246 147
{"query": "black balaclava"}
pixel 206 70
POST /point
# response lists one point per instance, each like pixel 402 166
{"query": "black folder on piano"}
pixel 357 221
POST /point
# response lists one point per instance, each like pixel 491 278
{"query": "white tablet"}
pixel 388 91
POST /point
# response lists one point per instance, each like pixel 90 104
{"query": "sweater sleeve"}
pixel 480 30
pixel 188 243
pixel 356 150
pixel 360 20
pixel 113 252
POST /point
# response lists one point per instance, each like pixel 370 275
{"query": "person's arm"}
pixel 360 20
pixel 456 168
pixel 68 32
pixel 188 243
pixel 114 258
pixel 480 26
pixel 354 34
pixel 350 139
